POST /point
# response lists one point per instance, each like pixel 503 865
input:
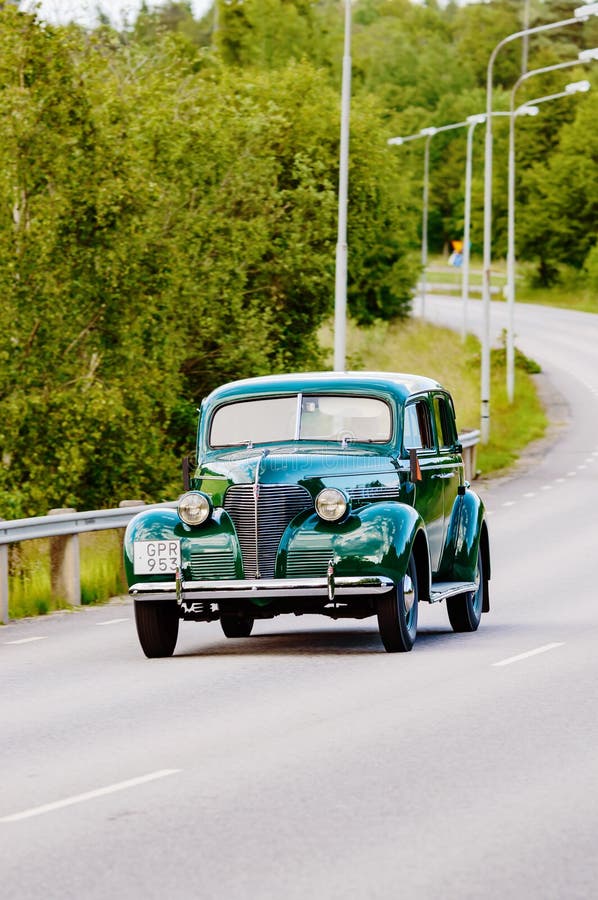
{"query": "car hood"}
pixel 313 468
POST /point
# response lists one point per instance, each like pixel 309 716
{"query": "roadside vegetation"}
pixel 168 221
pixel 30 585
pixel 414 346
pixel 168 209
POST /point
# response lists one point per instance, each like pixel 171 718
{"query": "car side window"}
pixel 445 422
pixel 417 427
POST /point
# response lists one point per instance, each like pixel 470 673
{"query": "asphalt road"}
pixel 307 762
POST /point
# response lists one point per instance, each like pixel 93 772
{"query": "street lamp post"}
pixel 340 292
pixel 573 88
pixel 428 133
pixel 581 14
pixel 585 56
pixel 524 42
pixel 472 121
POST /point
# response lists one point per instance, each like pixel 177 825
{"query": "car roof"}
pixel 401 385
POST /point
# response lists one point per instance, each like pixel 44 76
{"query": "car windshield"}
pixel 299 417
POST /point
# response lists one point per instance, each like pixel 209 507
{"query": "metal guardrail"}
pixel 469 441
pixel 445 287
pixel 63 527
pixel 469 438
pixel 12 532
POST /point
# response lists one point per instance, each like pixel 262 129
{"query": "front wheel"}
pixel 236 626
pixel 397 613
pixel 157 626
pixel 465 610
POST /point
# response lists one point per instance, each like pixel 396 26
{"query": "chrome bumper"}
pixel 268 588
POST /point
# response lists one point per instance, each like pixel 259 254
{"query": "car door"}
pixel 419 435
pixel 449 466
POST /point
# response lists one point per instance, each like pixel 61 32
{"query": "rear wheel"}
pixel 157 626
pixel 236 626
pixel 397 613
pixel 465 610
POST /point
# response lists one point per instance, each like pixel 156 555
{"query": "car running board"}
pixel 440 590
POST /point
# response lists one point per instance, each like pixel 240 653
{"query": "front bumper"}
pixel 267 588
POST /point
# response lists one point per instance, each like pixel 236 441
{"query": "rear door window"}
pixel 417 426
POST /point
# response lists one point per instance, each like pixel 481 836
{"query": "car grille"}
pixel 212 565
pixel 304 563
pixel 277 505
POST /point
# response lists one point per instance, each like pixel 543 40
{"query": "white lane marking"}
pixel 112 621
pixel 559 480
pixel 582 466
pixel 546 487
pixel 88 795
pixel 27 640
pixel 571 474
pixel 520 656
pixel 509 503
pixel 530 494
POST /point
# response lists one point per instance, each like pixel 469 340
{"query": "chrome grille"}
pixel 308 563
pixel 277 505
pixel 379 492
pixel 211 565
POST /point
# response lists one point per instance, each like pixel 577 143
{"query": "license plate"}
pixel 156 557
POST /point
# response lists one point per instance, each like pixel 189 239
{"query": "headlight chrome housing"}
pixel 194 508
pixel 332 505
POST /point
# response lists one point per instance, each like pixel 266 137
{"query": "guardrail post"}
pixel 65 571
pixel 469 441
pixel 3 583
pixel 470 462
pixel 121 531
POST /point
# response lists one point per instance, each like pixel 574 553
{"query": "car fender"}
pixel 466 529
pixel 215 539
pixel 372 540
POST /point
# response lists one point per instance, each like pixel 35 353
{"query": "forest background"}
pixel 168 209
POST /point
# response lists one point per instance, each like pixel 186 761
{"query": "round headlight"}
pixel 194 508
pixel 331 504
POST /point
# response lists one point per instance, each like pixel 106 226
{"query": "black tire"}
pixel 236 626
pixel 465 610
pixel 157 626
pixel 397 613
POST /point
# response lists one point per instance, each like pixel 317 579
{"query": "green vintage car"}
pixel 340 494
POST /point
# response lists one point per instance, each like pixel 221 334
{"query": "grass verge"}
pixel 30 587
pixel 570 292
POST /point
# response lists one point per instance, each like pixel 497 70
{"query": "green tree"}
pixel 71 403
pixel 176 17
pixel 165 224
pixel 558 223
pixel 265 33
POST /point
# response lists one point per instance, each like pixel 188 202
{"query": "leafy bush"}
pixel 590 267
